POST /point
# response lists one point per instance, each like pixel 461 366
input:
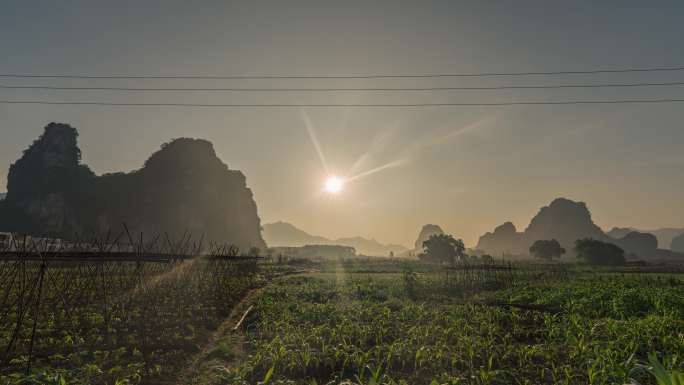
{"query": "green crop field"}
pixel 355 321
pixel 111 322
pixel 413 327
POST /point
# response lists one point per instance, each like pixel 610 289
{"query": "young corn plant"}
pixel 662 375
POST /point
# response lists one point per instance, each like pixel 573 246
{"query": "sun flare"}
pixel 333 184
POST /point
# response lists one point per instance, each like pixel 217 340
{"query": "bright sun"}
pixel 333 184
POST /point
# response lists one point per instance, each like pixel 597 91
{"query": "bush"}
pixel 595 252
pixel 547 249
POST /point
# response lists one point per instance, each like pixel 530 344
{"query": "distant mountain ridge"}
pixel 563 220
pixel 566 221
pixel 286 234
pixel 665 235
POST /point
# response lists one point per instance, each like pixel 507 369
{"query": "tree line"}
pixel 444 248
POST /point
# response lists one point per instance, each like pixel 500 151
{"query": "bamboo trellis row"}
pixel 501 274
pixel 61 298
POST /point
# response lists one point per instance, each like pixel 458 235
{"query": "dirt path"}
pixel 223 342
pixel 225 347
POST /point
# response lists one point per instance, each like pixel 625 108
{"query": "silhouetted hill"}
pixel 678 243
pixel 47 186
pixel 283 234
pixel 619 232
pixel 642 244
pixel 279 234
pixel 563 220
pixel 665 235
pixel 370 246
pixel 425 233
pixel 566 221
pixel 182 187
pixel 504 240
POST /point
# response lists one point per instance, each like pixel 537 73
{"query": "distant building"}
pixel 15 242
pixel 5 240
pixel 314 251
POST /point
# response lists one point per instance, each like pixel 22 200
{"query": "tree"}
pixel 546 249
pixel 442 248
pixel 595 252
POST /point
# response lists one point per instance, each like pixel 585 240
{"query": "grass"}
pixel 222 352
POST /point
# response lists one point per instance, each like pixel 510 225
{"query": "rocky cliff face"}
pixel 182 187
pixel 46 184
pixel 425 233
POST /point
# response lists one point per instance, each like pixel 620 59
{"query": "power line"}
pixel 368 76
pixel 333 89
pixel 277 105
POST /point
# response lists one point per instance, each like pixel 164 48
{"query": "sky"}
pixel 467 169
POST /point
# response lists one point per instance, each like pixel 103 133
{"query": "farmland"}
pixel 409 326
pixel 106 319
pixel 365 321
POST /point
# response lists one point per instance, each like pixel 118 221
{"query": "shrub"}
pixel 595 252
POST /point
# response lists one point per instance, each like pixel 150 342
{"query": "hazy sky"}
pixel 467 169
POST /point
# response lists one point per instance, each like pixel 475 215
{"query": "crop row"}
pixel 97 323
pixel 371 331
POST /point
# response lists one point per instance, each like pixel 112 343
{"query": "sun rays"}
pixel 314 139
pixel 334 184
